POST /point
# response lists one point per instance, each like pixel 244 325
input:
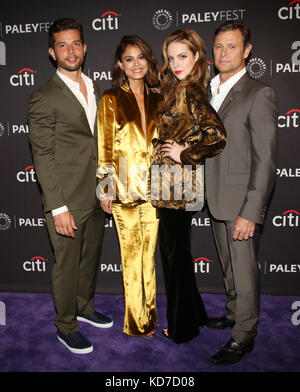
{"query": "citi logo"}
pixel 27 175
pixel 108 21
pixel 291 12
pixel 24 77
pixel 35 264
pixel 289 218
pixel 202 265
pixel 291 119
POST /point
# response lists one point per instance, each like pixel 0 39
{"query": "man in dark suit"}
pixel 62 132
pixel 239 182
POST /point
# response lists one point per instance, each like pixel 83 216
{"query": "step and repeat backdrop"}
pixel 26 257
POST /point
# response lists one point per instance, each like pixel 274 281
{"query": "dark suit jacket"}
pixel 63 146
pixel 239 181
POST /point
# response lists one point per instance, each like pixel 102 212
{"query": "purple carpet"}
pixel 29 344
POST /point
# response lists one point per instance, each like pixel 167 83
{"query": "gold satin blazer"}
pixel 123 149
pixel 191 120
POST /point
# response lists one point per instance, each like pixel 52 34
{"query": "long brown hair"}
pixel 151 77
pixel 170 85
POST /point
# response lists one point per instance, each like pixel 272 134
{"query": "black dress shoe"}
pixel 220 323
pixel 232 352
pixel 96 319
pixel 75 342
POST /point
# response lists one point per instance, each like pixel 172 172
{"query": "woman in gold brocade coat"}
pixel 189 131
pixel 126 127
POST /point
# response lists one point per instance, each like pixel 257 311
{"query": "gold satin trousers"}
pixel 137 229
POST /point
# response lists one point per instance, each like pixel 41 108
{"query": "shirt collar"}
pixel 69 82
pixel 215 82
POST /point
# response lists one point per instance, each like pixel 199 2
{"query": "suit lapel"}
pixel 148 102
pixel 75 103
pixel 97 98
pixel 230 98
pixel 209 93
pixel 233 94
pixel 97 94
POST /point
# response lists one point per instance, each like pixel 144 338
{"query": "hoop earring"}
pixel 124 77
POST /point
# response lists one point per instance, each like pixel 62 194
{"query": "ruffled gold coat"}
pixel 191 120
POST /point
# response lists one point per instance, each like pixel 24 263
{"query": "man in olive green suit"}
pixel 62 133
pixel 239 182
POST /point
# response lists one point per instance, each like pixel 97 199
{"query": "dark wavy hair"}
pixel 151 77
pixel 170 85
pixel 62 25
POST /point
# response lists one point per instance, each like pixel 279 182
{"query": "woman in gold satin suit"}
pixel 189 130
pixel 126 127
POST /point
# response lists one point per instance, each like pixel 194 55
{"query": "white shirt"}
pixel 217 98
pixel 89 107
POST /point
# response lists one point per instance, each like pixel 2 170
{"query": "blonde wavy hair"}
pixel 170 85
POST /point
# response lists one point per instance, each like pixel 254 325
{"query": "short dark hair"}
pixel 62 25
pixel 232 25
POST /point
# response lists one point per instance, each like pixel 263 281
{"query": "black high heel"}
pixel 148 336
pixel 164 333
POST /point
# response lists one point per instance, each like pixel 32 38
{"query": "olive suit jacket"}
pixel 63 146
pixel 240 179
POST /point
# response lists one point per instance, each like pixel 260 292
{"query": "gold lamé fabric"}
pixel 137 231
pixel 123 169
pixel 124 151
pixel 191 120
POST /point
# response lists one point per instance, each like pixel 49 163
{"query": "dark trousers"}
pixel 76 265
pixel 185 309
pixel 241 277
